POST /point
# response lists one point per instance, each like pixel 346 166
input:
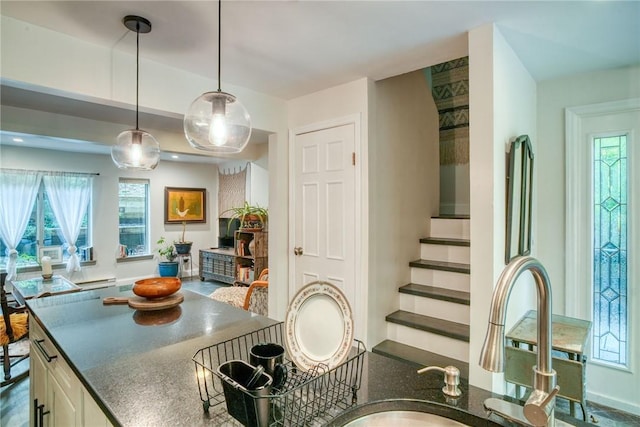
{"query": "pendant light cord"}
pixel 137 68
pixel 219 36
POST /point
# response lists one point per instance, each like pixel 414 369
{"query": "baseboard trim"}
pixel 613 403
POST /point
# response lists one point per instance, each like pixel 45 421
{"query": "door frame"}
pixel 578 300
pixel 360 220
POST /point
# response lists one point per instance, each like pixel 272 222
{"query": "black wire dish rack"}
pixel 306 398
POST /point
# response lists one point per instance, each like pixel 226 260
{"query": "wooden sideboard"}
pixel 218 264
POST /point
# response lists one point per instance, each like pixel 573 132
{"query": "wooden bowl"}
pixel 157 287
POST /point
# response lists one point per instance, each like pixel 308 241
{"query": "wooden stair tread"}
pixel 435 292
pixel 451 216
pixel 445 241
pixel 419 357
pixel 445 328
pixel 441 265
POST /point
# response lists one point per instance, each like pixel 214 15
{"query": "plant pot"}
pixel 251 222
pixel 183 248
pixel 168 269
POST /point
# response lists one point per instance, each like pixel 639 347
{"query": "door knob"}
pixel 297 251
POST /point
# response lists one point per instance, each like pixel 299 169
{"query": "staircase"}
pixel 432 325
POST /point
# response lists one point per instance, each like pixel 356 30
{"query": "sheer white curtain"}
pixel 69 196
pixel 18 191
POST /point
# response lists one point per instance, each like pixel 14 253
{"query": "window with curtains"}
pixel 43 230
pixel 133 229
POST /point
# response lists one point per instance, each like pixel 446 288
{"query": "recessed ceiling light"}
pixel 18 140
pixel 175 156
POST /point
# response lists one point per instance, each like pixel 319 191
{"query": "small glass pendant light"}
pixel 136 148
pixel 217 121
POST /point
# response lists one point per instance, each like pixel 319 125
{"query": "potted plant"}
pixel 182 246
pixel 166 250
pixel 252 218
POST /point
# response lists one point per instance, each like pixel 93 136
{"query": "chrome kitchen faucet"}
pixel 539 408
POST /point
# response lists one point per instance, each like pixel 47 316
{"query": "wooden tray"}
pixel 145 304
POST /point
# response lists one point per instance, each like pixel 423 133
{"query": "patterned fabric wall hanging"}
pixel 231 190
pixel 450 89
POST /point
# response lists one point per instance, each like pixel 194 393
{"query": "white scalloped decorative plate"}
pixel 318 326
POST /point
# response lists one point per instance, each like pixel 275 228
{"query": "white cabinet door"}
pixel 62 400
pixel 38 372
pixel 64 412
pixel 92 415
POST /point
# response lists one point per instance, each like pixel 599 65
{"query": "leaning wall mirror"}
pixel 519 195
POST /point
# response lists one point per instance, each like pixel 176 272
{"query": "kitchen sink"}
pixel 407 413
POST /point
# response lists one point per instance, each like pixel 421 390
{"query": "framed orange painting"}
pixel 185 205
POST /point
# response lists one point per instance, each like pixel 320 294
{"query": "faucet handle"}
pixel 538 408
pixel 451 379
pixel 551 395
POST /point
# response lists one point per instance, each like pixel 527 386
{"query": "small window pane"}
pixel 610 335
pixel 134 216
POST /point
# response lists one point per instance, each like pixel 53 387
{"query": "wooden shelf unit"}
pixel 251 255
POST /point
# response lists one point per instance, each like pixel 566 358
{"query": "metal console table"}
pixel 570 337
pixel 184 260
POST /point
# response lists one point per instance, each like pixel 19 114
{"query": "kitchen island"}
pixel 137 366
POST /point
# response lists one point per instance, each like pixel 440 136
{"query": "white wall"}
pixel 613 387
pixel 336 102
pixel 38 56
pixel 45 61
pixel 553 97
pixel 454 189
pixel 403 191
pixel 502 100
pixel 105 206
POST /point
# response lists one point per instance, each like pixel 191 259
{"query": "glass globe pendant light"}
pixel 136 148
pixel 217 121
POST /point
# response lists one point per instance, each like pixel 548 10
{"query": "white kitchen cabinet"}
pixel 57 396
pixel 92 415
pixel 37 384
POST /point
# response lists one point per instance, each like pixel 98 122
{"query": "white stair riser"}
pixel 442 279
pixel 446 310
pixel 460 254
pixel 428 341
pixel 450 228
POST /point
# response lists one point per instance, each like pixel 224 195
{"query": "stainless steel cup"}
pixel 249 405
pixel 271 357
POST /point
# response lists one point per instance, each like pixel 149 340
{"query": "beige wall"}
pixel 553 97
pixel 403 191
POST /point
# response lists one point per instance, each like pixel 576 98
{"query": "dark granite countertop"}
pixel 140 371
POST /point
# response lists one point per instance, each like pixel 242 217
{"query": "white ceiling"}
pixel 291 48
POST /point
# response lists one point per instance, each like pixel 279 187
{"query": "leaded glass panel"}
pixel 610 335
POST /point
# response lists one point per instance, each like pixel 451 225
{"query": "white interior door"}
pixel 324 204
